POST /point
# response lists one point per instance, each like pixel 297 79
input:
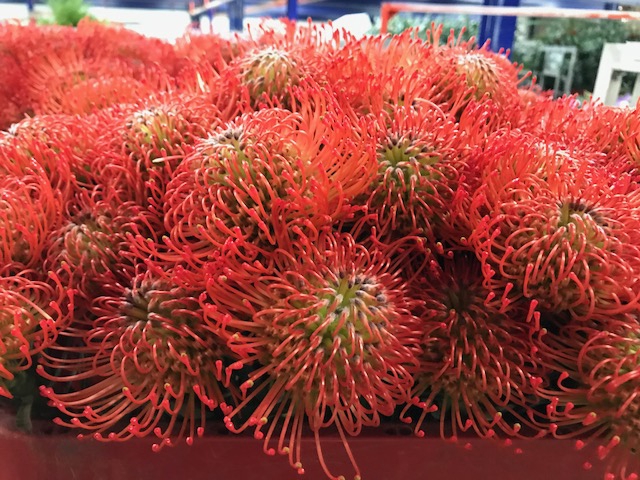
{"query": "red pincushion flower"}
pixel 264 179
pixel 378 73
pixel 478 360
pixel 558 232
pixel 29 210
pixel 270 63
pixel 332 335
pixel 631 135
pixel 30 316
pixel 142 356
pixel 420 174
pixel 136 51
pixel 154 137
pixel 67 82
pixel 90 249
pixel 597 394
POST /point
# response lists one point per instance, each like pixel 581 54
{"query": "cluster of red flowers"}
pixel 310 232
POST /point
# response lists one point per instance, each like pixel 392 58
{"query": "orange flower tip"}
pixel 264 420
pixel 357 477
pixel 125 389
pixel 602 452
pixel 517 427
pixel 297 465
pixel 341 477
pixel 468 446
pixel 579 445
pixel 587 465
pixel 590 419
pixel 285 451
pixel 40 368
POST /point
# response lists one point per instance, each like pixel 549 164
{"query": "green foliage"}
pixel 401 22
pixel 588 36
pixel 68 12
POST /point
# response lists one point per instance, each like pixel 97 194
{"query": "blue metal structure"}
pixel 500 30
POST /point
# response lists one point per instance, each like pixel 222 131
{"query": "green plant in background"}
pixel 66 12
pixel 402 21
pixel 588 36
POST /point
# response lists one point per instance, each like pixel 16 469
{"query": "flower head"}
pixel 90 247
pixel 420 173
pixel 31 313
pixel 558 232
pixel 141 355
pixel 29 210
pixel 261 180
pixel 331 334
pixel 477 361
pixel 596 395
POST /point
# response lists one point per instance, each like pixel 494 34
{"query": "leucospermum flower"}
pixel 276 58
pixel 31 313
pixel 477 362
pixel 91 246
pixel 141 355
pixel 257 179
pixel 157 134
pixel 562 236
pixel 378 73
pixel 52 147
pixel 68 82
pixel 420 173
pixel 331 333
pixel 29 210
pixel 596 398
pixel 490 76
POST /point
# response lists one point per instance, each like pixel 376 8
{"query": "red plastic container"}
pixel 381 456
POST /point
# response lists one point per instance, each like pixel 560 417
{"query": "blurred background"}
pixel 563 53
